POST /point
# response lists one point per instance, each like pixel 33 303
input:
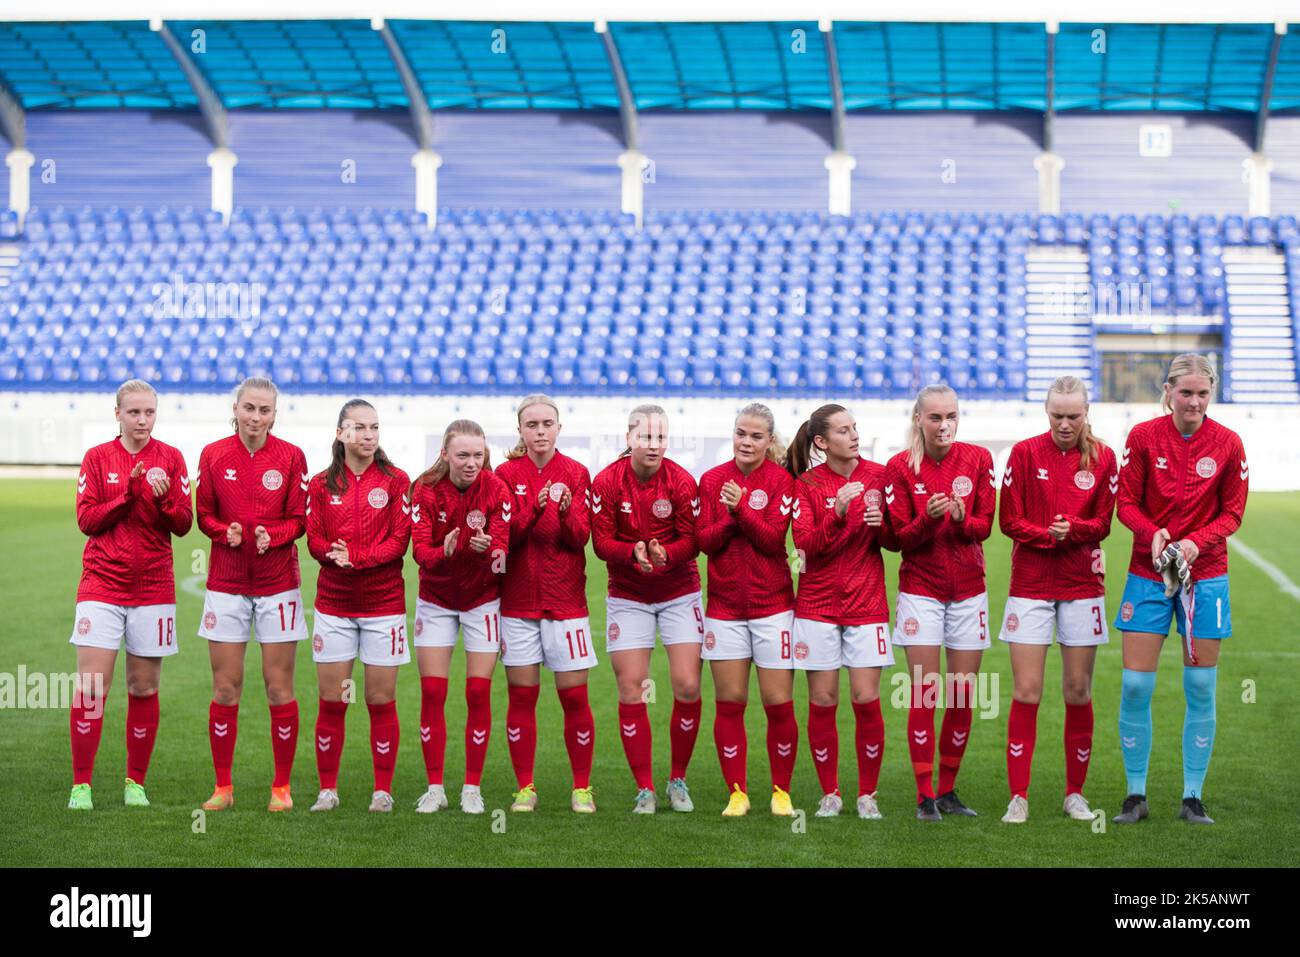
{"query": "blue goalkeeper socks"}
pixel 1198 727
pixel 1136 689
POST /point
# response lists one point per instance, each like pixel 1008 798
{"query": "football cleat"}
pixel 738 804
pixel 381 802
pixel 927 811
pixel 432 800
pixel 1193 810
pixel 583 801
pixel 678 795
pixel 1017 811
pixel 223 799
pixel 782 806
pixel 133 795
pixel 868 808
pixel 950 803
pixel 281 800
pixel 1134 810
pixel 830 805
pixel 471 799
pixel 327 800
pixel 79 799
pixel 1076 807
pixel 646 802
pixel 526 799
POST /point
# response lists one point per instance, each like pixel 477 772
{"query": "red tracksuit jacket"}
pixel 547 573
pixel 469 578
pixel 128 559
pixel 1040 483
pixel 267 487
pixel 942 559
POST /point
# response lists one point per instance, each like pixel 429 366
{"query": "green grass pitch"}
pixel 1254 767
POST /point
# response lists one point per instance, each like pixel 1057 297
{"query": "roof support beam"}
pixel 13 121
pixel 1266 90
pixel 421 117
pixel 214 114
pixel 837 87
pixel 626 103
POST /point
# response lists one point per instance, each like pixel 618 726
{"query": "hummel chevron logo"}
pixel 505 512
pixel 687 724
pixel 521 488
pixel 919 488
pixel 784 749
pixel 1015 749
pixel 730 752
pixel 185 484
pixel 695 507
pixel 993 479
pixel 83 727
pixel 230 475
pixel 323 742
pixel 584 737
pixel 594 502
pixel 959 737
pixel 1006 478
pixel 220 729
pixel 872 750
pixel 514 734
pixel 626 508
pixel 139 733
pixel 302 485
pixel 629 730
pixel 1042 474
pixel 796 508
pixel 1123 462
pixel 889 495
pixel 1082 754
pixel 382 747
pixel 425 733
pixel 479 735
pixel 1114 484
pixel 415 514
pixel 921 737
pixel 1245 470
pixel 821 754
pixel 1128 742
pixel 81 483
pixel 1162 462
pixel 283 733
pixel 112 478
pixel 830 502
pixel 1202 742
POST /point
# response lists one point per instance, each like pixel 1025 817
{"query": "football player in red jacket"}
pixel 643 513
pixel 941 495
pixel 1183 483
pixel 358 528
pixel 745 507
pixel 251 500
pixel 842 612
pixel 1058 493
pixel 461 532
pixel 544 599
pixel 133 495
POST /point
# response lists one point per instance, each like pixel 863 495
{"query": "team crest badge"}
pixel 662 508
pixel 476 520
pixel 378 497
pixel 1206 467
pixel 801 650
pixel 710 640
pixel 614 631
pixel 83 626
pixel 158 473
pixel 1084 479
pixel 272 480
pixel 557 491
pixel 911 627
pixel 210 620
pixel 317 643
pixel 962 486
pixel 1126 611
pixel 419 626
pixel 872 497
pixel 757 501
pixel 1013 623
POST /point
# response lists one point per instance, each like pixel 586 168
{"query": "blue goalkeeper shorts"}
pixel 1145 608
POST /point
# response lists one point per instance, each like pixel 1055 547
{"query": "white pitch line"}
pixel 1267 567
